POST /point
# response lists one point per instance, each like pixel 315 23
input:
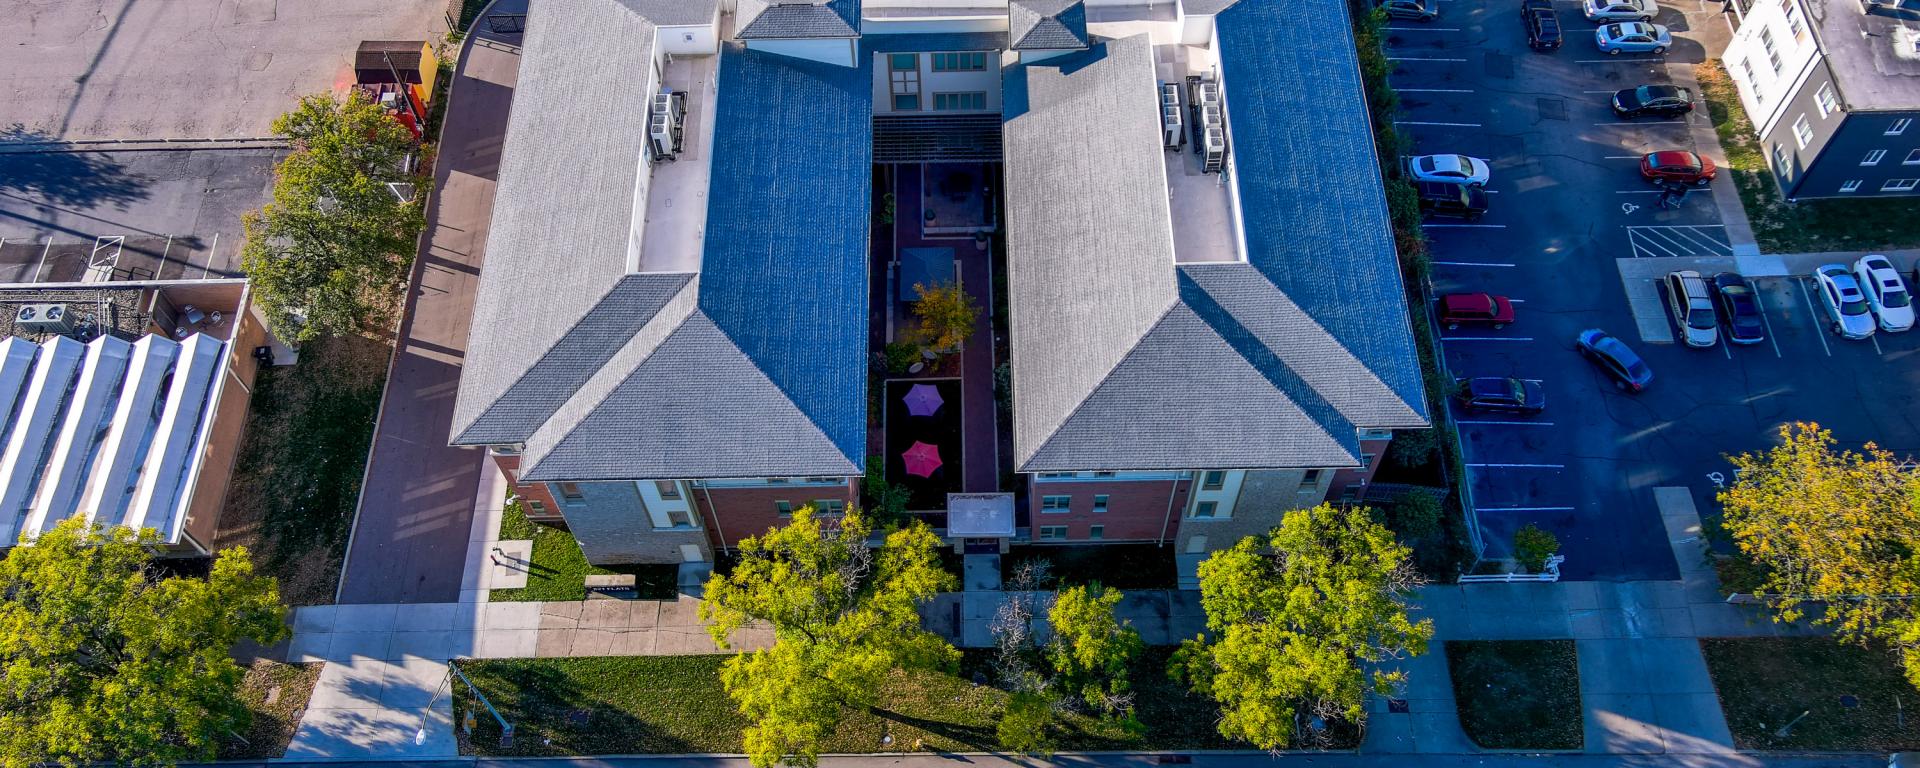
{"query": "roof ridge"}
pixel 784 394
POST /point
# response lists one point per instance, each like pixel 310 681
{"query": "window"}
pixel 1054 475
pixel 1913 158
pixel 783 508
pixel 1099 502
pixel 943 102
pixel 1850 185
pixel 1366 460
pixel 1103 474
pixel 777 481
pixel 1055 503
pixel 905 79
pixel 1802 131
pixel 1097 532
pixel 1782 159
pixel 903 62
pixel 1873 158
pixel 1205 509
pixel 1753 81
pixel 1899 126
pixel 1829 104
pixel 1213 480
pixel 1900 185
pixel 669 490
pixel 1794 24
pixel 571 492
pixel 829 506
pixel 1053 532
pixel 906 101
pixel 959 62
pixel 1773 56
pixel 536 507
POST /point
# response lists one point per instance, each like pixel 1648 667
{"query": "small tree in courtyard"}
pixel 843 618
pixel 1092 648
pixel 327 252
pixel 946 313
pixel 104 660
pixel 1532 547
pixel 1302 619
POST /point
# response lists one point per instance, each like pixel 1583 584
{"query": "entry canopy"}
pixel 980 515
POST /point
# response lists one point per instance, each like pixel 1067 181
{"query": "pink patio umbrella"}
pixel 921 459
pixel 922 400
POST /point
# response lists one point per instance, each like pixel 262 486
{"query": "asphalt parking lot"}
pixel 1573 235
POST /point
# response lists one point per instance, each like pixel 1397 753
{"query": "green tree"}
pixel 946 315
pixel 1024 726
pixel 1834 529
pixel 1302 621
pixel 1533 546
pixel 326 253
pixel 886 502
pixel 843 618
pixel 1092 648
pixel 101 659
pixel 1414 515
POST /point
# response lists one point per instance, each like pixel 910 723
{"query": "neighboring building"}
pixel 1833 89
pixel 671 356
pixel 128 400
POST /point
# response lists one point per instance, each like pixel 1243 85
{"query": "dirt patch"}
pixel 290 686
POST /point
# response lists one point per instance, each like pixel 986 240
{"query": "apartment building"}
pixel 710 217
pixel 1833 89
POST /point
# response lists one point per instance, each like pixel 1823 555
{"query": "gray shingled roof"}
pixel 1123 359
pixel 791 21
pixel 1205 7
pixel 1047 24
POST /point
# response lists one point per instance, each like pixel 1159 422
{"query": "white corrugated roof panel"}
pixel 159 498
pixel 33 425
pixel 16 362
pixel 134 417
pixel 88 412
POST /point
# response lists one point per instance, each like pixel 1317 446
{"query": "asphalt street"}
pixel 1136 760
pixel 1567 203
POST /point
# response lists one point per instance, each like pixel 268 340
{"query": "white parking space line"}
pixel 1625 124
pixel 1446 125
pixel 1467 264
pixel 1420 58
pixel 1524 509
pixel 1876 344
pixel 1812 313
pixel 1678 240
pixel 1486 338
pixel 1421 29
pixel 1622 157
pixel 1518 466
pixel 1720 340
pixel 1464 226
pixel 1434 90
pixel 1506 423
pixel 1761 305
pixel 1620 60
pixel 1638 191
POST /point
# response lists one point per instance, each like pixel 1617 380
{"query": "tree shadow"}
pixel 979 738
pixel 54 172
pixel 554 716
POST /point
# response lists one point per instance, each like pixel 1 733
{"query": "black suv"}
pixel 1660 100
pixel 1461 201
pixel 1543 25
pixel 1417 10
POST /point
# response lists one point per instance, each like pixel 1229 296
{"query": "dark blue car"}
pixel 1742 308
pixel 1629 372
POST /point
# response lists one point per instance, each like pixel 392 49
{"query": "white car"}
pixel 1620 10
pixel 1692 308
pixel 1452 169
pixel 1886 293
pixel 1631 37
pixel 1845 304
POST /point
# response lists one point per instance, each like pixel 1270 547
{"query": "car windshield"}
pixel 1612 30
pixel 1424 163
pixel 1643 94
pixel 1466 165
pixel 1517 390
pixel 1700 319
pixel 1854 307
pixel 1895 299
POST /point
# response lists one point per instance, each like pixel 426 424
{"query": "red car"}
pixel 1676 165
pixel 1458 309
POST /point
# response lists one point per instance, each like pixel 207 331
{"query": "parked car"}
pixel 1846 306
pixel 1619 10
pixel 1417 10
pixel 1632 37
pixel 1614 357
pixel 1677 165
pixel 1692 308
pixel 1453 169
pixel 1741 307
pixel 1460 201
pixel 1542 25
pixel 1458 309
pixel 1502 393
pixel 1886 293
pixel 1661 100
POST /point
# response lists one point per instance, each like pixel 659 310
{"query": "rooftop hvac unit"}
pixel 664 137
pixel 43 318
pixel 1170 123
pixel 663 104
pixel 1215 150
pixel 1169 95
pixel 1210 115
pixel 1209 93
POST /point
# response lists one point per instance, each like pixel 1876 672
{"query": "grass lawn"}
pixel 1766 682
pixel 559 568
pixel 1807 227
pixel 297 480
pixel 1518 694
pixel 273 724
pixel 1120 566
pixel 654 704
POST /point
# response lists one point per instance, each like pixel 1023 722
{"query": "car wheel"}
pixel 1702 182
pixel 1620 385
pixel 1498 326
pixel 1453 326
pixel 1645 19
pixel 1426 19
pixel 1613 52
pixel 1659 49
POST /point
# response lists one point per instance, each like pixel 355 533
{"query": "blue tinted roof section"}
pixel 1323 239
pixel 932 42
pixel 785 269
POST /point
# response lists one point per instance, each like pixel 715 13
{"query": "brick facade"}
pixel 510 466
pixel 1355 479
pixel 1137 510
pixel 732 514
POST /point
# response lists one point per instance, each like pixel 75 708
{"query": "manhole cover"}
pixel 1397 706
pixel 1552 109
pixel 1499 65
pixel 1850 701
